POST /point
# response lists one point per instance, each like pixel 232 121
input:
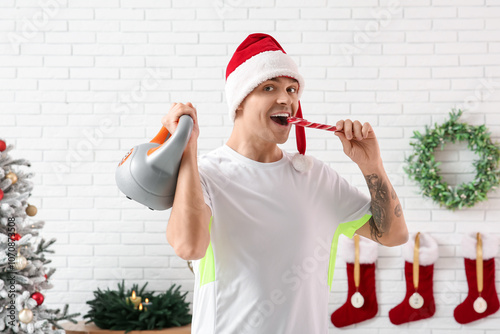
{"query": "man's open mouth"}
pixel 281 119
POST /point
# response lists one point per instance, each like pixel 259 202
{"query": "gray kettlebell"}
pixel 148 172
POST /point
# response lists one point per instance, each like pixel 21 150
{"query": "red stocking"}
pixel 405 312
pixel 474 308
pixel 418 303
pixel 355 311
pixel 347 314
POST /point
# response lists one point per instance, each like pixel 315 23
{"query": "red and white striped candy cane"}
pixel 303 122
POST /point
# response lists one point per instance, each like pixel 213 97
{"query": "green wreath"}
pixel 423 168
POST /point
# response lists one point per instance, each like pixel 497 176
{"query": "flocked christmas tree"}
pixel 23 275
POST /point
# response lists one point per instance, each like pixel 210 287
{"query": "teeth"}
pixel 280 115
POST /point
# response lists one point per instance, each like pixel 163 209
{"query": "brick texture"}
pixel 83 81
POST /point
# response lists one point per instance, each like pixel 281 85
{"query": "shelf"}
pixel 81 328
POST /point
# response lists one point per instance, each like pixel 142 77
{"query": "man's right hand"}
pixel 188 226
pixel 171 120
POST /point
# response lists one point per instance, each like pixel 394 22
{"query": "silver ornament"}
pixel 25 315
pixel 20 263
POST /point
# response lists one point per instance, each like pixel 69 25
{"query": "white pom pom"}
pixel 302 163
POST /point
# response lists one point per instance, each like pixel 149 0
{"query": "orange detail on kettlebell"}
pixel 159 139
pixel 126 157
pixel 151 150
pixel 160 136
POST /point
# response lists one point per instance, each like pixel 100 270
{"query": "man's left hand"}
pixel 359 143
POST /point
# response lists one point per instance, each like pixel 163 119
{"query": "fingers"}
pixel 340 125
pixel 171 119
pixel 366 129
pixel 346 144
pixel 357 130
pixel 354 129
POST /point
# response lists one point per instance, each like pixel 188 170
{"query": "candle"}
pixel 146 303
pixel 134 300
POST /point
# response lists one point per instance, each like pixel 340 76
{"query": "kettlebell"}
pixel 148 172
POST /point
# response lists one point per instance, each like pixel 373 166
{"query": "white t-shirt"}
pixel 273 241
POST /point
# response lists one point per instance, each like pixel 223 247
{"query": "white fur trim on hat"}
pixel 259 68
pixel 368 249
pixel 428 251
pixel 490 246
pixel 302 163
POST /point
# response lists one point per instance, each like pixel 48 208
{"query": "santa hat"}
pixel 259 58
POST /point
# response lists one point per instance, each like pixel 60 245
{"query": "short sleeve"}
pixel 354 207
pixel 205 189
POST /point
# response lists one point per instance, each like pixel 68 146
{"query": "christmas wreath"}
pixel 423 168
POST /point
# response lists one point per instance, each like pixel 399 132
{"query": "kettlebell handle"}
pixel 185 125
pixel 174 144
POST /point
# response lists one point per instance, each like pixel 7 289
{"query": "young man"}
pixel 261 224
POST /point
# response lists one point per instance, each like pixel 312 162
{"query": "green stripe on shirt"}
pixel 207 264
pixel 348 229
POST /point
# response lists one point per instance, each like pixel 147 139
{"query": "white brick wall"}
pixel 83 81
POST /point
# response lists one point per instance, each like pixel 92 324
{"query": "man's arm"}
pixel 188 227
pixel 387 224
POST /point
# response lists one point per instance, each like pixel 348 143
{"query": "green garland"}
pixel 423 168
pixel 110 310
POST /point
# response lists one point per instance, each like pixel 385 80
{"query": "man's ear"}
pixel 238 111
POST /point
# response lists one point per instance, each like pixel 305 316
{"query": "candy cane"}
pixel 303 122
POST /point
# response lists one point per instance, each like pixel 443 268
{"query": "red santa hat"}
pixel 257 59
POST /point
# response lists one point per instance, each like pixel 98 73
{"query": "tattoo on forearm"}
pixel 374 232
pixel 382 197
pixel 378 195
pixel 398 211
pixel 393 193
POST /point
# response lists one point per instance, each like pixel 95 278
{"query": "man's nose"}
pixel 284 97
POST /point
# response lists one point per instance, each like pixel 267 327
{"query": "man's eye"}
pixel 292 90
pixel 268 88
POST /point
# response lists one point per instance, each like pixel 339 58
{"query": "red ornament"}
pixel 45 276
pixel 38 297
pixel 3 146
pixel 15 237
pixel 1 194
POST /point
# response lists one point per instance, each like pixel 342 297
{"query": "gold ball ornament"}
pixel 31 210
pixel 25 315
pixel 12 176
pixel 20 262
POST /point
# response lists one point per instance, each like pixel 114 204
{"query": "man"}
pixel 262 225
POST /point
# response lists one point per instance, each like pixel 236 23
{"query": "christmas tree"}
pixel 23 275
